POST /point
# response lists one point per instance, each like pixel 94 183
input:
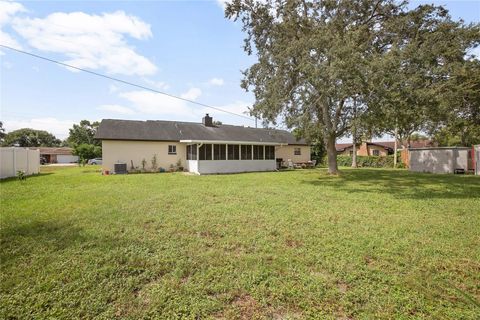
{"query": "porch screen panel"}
pixel 269 152
pixel 191 152
pixel 205 152
pixel 233 152
pixel 246 152
pixel 219 152
pixel 257 152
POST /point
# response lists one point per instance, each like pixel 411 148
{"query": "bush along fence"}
pixel 370 161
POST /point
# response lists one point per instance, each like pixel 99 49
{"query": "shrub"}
pixel 154 163
pixel 21 175
pixel 369 161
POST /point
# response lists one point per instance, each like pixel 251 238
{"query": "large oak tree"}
pixel 322 65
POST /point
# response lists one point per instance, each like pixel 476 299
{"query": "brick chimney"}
pixel 207 121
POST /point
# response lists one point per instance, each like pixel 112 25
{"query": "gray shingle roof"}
pixel 159 130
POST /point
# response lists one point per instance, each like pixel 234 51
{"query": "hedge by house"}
pixel 370 161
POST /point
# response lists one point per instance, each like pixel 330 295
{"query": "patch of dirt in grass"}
pixel 242 307
pixel 292 243
pixel 342 287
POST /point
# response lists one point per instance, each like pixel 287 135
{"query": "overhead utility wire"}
pixel 124 82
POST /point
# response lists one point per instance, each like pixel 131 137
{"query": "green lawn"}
pixel 370 243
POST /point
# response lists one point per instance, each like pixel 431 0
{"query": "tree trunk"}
pixel 395 149
pixel 331 154
pixel 354 148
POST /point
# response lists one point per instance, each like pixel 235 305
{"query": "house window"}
pixel 172 149
pixel 219 152
pixel 192 152
pixel 297 151
pixel 233 152
pixel 351 153
pixel 205 152
pixel 269 152
pixel 257 152
pixel 376 152
pixel 246 152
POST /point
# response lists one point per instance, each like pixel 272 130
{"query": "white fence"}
pixel 14 159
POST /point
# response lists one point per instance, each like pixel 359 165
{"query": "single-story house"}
pixel 366 148
pixel 57 155
pixel 201 148
pixel 441 159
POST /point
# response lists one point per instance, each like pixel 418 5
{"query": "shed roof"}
pixel 160 130
pixel 54 150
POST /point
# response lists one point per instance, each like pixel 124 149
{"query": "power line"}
pixel 124 82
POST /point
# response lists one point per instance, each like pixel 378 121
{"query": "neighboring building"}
pixel 198 147
pixel 476 159
pixel 57 155
pixel 441 159
pixel 366 148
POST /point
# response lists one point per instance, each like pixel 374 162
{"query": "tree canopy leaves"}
pixel 316 58
pixel 27 137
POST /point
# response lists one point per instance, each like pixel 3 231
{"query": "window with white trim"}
pixel 172 149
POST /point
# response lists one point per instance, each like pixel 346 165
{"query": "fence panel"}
pixel 14 159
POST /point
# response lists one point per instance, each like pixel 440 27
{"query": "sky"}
pixel 184 48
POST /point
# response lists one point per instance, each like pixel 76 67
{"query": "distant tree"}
pixel 459 99
pixel 417 137
pixel 316 58
pixel 217 123
pixel 83 133
pixel 417 72
pixel 87 151
pixel 2 132
pixel 27 137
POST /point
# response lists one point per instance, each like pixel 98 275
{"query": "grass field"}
pixel 370 243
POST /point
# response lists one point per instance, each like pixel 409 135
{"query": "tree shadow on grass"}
pixel 402 184
pixel 23 239
pixel 33 176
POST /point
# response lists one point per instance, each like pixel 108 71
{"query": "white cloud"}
pixel 216 82
pixel 115 108
pixel 8 10
pixel 90 41
pixel 57 127
pixel 160 85
pixel 192 94
pixel 239 107
pixel 148 102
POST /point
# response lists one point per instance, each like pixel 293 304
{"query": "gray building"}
pixel 440 159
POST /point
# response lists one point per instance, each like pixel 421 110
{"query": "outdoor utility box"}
pixel 120 168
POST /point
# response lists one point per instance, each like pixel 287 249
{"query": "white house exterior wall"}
pixel 288 152
pixel 124 151
pixel 230 166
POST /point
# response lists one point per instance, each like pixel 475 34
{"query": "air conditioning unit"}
pixel 120 168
